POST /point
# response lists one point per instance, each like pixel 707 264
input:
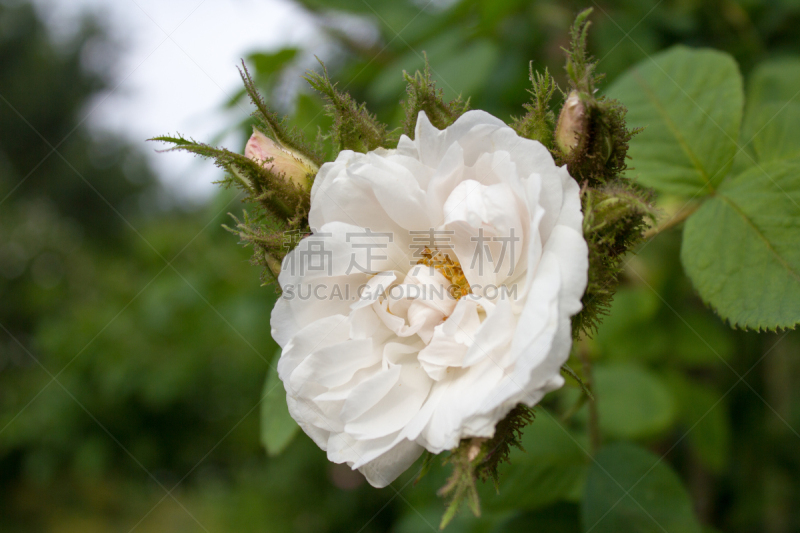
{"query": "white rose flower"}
pixel 408 366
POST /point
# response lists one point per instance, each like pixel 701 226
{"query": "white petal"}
pixel 493 337
pixel 318 334
pixel 377 286
pixel 573 260
pixel 300 412
pixel 369 392
pixel 333 365
pixel 396 408
pixel 571 214
pixel 385 469
pixel 282 323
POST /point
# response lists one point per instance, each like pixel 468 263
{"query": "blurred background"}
pixel 134 334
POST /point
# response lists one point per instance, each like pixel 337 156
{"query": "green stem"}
pixel 679 217
pixel 594 418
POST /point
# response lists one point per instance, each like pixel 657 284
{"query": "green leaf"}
pixel 424 517
pixel 704 415
pixel 632 403
pixel 460 66
pixel 630 331
pixel 468 70
pixel 684 345
pixel 559 518
pixel 630 490
pixel 268 64
pixel 388 85
pixel 741 251
pixel 549 469
pixel 775 81
pixel 278 428
pixel 772 111
pixel 690 104
pixel 310 118
pixel 771 130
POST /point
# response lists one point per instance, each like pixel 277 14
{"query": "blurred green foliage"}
pixel 160 340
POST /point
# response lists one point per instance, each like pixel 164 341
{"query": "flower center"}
pixel 459 287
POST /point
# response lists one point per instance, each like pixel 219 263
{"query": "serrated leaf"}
pixel 690 103
pixel 632 403
pixel 772 111
pixel 771 130
pixel 630 490
pixel 278 428
pixel 741 251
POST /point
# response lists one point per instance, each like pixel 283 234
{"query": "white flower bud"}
pixel 294 166
pixel 571 123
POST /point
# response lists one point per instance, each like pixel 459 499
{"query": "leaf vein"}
pixel 651 95
pixel 761 236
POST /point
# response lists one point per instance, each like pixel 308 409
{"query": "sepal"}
pixel 537 123
pixel 354 127
pixel 275 174
pixel 479 458
pixel 615 218
pixel 424 96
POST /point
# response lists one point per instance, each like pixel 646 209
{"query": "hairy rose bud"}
pixel 571 123
pixel 294 166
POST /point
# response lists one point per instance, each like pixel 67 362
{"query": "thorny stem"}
pixel 594 426
pixel 679 217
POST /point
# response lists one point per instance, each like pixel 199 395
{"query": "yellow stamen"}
pixel 459 287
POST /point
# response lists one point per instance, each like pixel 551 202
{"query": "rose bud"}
pixel 294 166
pixel 571 123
